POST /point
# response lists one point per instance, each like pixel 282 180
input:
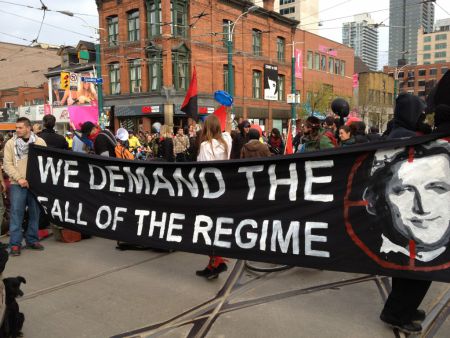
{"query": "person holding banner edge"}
pixel 214 145
pixel 15 164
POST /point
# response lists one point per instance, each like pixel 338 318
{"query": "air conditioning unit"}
pixel 137 89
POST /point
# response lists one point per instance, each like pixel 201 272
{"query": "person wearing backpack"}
pixel 313 137
pixel 104 142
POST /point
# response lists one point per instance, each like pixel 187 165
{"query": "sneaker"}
pixel 35 246
pixel 418 316
pixel 222 267
pixel 209 273
pixel 14 250
pixel 411 327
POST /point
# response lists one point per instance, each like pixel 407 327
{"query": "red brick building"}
pixel 23 96
pixel 149 49
pixel 418 79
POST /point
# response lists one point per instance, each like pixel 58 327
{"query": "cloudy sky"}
pixel 20 24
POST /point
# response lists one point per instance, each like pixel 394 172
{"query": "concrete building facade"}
pixel 305 11
pixel 434 47
pixel 362 36
pixel 375 98
pixel 147 69
pixel 405 19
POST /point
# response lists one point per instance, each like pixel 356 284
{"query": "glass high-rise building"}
pixel 405 18
pixel 362 36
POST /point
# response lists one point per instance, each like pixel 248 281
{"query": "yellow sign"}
pixel 65 80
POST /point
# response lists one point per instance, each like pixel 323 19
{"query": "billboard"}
pixel 76 92
pixel 270 82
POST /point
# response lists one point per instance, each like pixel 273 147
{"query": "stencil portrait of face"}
pixel 418 195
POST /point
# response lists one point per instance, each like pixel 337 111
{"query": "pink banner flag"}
pixel 80 114
pixel 298 64
pixel 355 80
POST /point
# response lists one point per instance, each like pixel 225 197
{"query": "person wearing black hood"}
pixel 409 117
pixel 49 135
pixel 240 139
pixel 440 98
pixel 401 308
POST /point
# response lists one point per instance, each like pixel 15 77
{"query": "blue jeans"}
pixel 21 198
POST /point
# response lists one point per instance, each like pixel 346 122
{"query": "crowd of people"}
pixel 208 142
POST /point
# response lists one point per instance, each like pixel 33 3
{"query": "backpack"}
pixel 122 152
pixel 332 138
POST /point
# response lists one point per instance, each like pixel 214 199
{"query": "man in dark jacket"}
pixel 254 148
pixel 240 139
pixel 441 105
pixel 401 308
pixel 49 135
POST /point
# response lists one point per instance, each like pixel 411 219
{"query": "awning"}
pixel 139 110
pixel 7 126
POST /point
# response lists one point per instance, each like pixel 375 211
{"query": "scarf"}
pixel 21 147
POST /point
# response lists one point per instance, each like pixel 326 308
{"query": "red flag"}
pixel 288 149
pixel 221 114
pixel 190 106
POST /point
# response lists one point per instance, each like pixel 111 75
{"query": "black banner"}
pixel 379 208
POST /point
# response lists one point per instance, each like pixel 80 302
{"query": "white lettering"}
pixel 56 210
pixel 164 184
pixel 250 180
pixel 191 184
pixel 138 180
pixel 174 226
pixel 103 209
pixel 68 173
pixel 310 179
pixel 292 234
pixel 80 210
pixel 218 175
pixel 113 178
pixel 202 229
pixel 141 214
pixel 292 182
pixel 92 184
pixel 309 238
pixel 66 213
pixel 250 235
pixel 160 224
pixel 49 166
pixel 221 231
pixel 117 217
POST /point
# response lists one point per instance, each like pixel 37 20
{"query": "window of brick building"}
pixel 226 86
pixel 154 17
pixel 281 47
pixel 316 61
pixel 256 84
pixel 281 87
pixel 155 70
pixel 440 37
pixel 134 67
pixel 421 83
pixel 180 69
pixel 330 65
pixel 179 17
pixel 133 25
pixel 422 72
pixel 337 65
pixel 113 30
pixel 441 46
pixel 426 56
pixel 342 68
pixel 427 39
pixel 114 78
pixel 427 47
pixel 444 70
pixel 257 42
pixel 440 54
pixel 410 83
pixel 323 63
pixel 309 59
pixel 433 71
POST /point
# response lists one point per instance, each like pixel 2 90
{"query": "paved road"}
pixel 89 289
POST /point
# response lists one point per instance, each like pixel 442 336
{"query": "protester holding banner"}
pixel 15 164
pixel 401 308
pixel 214 145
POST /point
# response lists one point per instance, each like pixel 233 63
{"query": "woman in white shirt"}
pixel 214 145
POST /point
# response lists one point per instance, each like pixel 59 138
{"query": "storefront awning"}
pixel 139 110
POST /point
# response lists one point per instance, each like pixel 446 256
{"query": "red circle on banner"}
pixel 355 238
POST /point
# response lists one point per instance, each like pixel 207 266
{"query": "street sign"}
pixel 96 80
pixel 73 80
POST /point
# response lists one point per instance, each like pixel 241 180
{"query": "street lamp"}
pixel 396 71
pixel 231 27
pixel 293 90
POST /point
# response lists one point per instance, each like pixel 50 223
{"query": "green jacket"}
pixel 323 142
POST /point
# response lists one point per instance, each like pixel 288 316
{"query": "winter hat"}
pixel 87 127
pixel 122 134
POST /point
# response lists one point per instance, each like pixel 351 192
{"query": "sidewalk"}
pixel 89 289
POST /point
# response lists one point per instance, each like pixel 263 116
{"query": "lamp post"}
pixel 397 70
pixel 231 27
pixel 293 89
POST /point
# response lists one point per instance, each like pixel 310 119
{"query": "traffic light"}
pixel 65 80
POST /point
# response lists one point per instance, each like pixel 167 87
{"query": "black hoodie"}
pixel 407 115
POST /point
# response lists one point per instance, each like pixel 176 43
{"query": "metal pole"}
pixel 230 66
pixel 293 114
pixel 99 86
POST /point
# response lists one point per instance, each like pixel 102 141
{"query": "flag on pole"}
pixel 288 149
pixel 190 106
pixel 221 114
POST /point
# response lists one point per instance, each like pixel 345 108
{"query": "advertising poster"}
pixel 298 64
pixel 270 82
pixel 79 93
